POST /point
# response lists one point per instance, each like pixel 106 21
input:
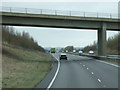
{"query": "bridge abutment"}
pixel 102 40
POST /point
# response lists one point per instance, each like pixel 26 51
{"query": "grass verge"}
pixel 113 61
pixel 23 68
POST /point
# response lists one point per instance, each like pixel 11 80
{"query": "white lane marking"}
pixel 87 68
pixel 80 63
pixel 49 86
pixel 108 63
pixel 99 80
pixel 92 73
pixel 84 65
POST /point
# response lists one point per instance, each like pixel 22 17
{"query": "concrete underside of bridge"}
pixel 57 21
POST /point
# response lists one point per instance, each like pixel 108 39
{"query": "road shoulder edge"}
pixel 50 77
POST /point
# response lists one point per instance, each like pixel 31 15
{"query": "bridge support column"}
pixel 102 40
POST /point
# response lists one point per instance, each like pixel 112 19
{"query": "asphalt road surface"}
pixel 83 72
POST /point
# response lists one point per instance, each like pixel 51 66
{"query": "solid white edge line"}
pixel 49 86
pixel 108 63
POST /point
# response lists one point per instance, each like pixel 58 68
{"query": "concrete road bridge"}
pixel 63 19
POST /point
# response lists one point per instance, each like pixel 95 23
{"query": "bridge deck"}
pixel 60 17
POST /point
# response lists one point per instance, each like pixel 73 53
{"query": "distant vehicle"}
pixel 66 50
pixel 91 52
pixel 52 50
pixel 63 56
pixel 57 51
pixel 62 51
pixel 74 51
pixel 80 52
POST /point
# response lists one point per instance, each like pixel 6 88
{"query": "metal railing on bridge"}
pixel 58 12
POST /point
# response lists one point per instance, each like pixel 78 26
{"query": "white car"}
pixel 74 51
pixel 80 52
pixel 63 56
pixel 66 50
pixel 91 52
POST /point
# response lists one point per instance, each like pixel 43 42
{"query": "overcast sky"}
pixel 60 37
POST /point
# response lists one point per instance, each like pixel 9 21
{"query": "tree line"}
pixel 69 48
pixel 113 45
pixel 10 36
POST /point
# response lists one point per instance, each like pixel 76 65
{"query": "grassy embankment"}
pixel 23 68
pixel 114 61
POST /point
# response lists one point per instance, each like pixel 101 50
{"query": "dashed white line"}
pixel 99 80
pixel 83 65
pixel 49 86
pixel 87 68
pixel 92 73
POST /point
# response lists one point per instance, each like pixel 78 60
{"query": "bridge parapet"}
pixel 59 12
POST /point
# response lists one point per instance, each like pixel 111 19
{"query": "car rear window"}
pixel 63 55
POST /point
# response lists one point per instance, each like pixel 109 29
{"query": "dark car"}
pixel 63 56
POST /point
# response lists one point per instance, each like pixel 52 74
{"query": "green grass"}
pixel 114 61
pixel 24 68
